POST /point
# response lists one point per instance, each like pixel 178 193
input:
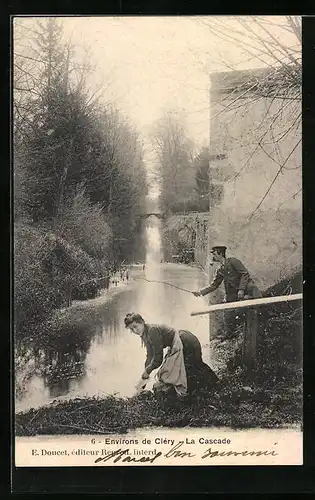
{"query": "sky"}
pixel 154 64
pixel 147 65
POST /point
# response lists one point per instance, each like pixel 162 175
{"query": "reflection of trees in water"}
pixel 57 359
pixel 58 354
pixel 24 368
pixel 111 324
pixel 111 328
pixel 59 388
pixel 62 365
pixel 98 332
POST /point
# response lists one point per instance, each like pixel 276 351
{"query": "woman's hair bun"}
pixel 131 317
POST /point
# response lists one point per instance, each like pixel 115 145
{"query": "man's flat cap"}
pixel 218 248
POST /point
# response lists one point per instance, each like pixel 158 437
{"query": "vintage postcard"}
pixel 157 241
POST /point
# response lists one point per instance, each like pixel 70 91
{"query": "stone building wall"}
pixel 252 138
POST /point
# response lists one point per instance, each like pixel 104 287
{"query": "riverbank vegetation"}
pixel 183 172
pixel 78 186
pixel 79 177
pixel 272 399
pixel 233 405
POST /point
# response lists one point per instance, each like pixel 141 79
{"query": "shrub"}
pixel 32 296
pixel 83 224
pixel 46 269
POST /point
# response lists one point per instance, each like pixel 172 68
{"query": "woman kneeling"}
pixel 182 368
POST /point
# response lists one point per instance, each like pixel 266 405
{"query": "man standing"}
pixel 237 282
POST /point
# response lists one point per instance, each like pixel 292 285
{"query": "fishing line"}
pixel 164 283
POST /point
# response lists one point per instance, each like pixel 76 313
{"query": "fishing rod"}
pixel 139 278
pixel 164 283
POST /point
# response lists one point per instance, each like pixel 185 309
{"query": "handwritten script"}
pixel 177 451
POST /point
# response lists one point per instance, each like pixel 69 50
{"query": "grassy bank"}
pixel 272 399
pixel 233 405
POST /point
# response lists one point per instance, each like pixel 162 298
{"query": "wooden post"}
pixel 250 343
pixel 68 293
pixel 69 296
pixel 252 323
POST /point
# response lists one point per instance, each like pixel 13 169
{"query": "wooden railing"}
pixel 252 323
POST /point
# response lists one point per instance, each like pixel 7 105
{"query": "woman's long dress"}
pixel 199 374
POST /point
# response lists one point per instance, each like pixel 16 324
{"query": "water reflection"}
pixel 94 354
pixel 150 301
pixel 45 372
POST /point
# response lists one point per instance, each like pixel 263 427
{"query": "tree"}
pixel 274 44
pixel 255 140
pixel 76 143
pixel 201 165
pixel 174 151
pixel 79 177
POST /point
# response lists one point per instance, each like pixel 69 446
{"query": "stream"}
pixel 100 356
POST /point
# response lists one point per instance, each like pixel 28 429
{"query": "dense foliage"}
pixel 181 173
pixel 79 177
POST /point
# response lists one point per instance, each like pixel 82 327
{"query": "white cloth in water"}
pixel 141 385
pixel 172 370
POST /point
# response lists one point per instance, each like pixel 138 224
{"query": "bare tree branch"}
pixel 261 139
pixel 293 196
pixel 274 179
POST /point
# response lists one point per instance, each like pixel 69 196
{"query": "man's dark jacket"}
pixel 235 277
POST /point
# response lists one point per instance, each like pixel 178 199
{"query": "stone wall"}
pixel 190 228
pixel 257 145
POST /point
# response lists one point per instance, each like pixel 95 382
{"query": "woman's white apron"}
pixel 172 370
